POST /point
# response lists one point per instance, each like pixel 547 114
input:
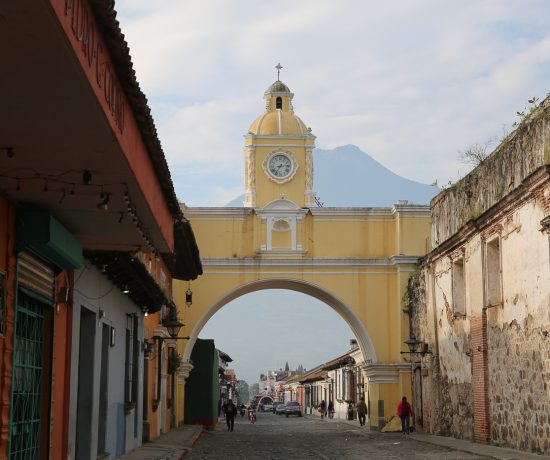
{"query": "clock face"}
pixel 280 165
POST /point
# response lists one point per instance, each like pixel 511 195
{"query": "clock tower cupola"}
pixel 278 153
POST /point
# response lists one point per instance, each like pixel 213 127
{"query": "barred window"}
pixel 459 288
pixel 493 275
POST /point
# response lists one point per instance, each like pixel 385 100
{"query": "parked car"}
pixel 267 408
pixel 280 409
pixel 276 404
pixel 293 408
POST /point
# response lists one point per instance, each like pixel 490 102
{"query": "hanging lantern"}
pixel 189 295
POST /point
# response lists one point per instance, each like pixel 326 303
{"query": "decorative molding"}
pixel 183 372
pixel 221 211
pixel 309 194
pixel 384 373
pixel 282 136
pixel 250 181
pixel 275 211
pixel 369 213
pixel 281 251
pixel 309 262
pixel 402 259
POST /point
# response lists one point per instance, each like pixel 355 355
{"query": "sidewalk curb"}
pixel 487 450
pixel 192 442
pixel 507 453
pixel 458 449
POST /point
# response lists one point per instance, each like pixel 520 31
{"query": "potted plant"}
pixel 174 362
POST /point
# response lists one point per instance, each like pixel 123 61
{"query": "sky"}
pixel 410 82
pixel 264 335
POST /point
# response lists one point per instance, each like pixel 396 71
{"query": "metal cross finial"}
pixel 278 67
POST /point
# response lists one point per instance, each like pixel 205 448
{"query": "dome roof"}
pixel 279 118
pixel 278 123
pixel 278 87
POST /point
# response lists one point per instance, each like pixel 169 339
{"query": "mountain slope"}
pixel 347 177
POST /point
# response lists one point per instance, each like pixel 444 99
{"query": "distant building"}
pixel 267 383
pixel 339 380
pixel 226 383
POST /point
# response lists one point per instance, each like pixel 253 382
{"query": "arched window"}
pixel 279 103
pixel 281 226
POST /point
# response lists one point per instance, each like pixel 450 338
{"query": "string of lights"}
pixel 59 183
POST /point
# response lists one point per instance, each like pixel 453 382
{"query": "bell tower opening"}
pixel 279 103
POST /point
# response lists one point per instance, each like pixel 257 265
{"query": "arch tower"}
pixel 355 260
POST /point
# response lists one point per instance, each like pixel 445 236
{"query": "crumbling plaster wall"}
pixel 518 349
pixel 447 381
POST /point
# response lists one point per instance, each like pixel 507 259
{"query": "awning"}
pixel 129 273
pixel 185 262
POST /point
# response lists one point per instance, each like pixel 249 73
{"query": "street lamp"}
pixel 188 295
pixel 416 347
pixel 173 326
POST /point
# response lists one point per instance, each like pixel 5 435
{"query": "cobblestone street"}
pixel 276 437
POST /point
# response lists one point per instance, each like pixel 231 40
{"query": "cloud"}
pixel 411 83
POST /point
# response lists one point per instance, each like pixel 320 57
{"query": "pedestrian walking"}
pixel 330 409
pixel 404 411
pixel 230 412
pixel 350 411
pixel 362 411
pixel 322 408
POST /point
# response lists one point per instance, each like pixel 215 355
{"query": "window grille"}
pixel 459 288
pixel 132 359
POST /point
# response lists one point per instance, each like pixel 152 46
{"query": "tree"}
pixel 286 367
pixel 243 391
pixel 253 390
pixel 476 154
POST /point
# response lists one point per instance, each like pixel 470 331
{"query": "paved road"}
pixel 277 437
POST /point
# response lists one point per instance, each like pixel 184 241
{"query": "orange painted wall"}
pixel 92 55
pixel 63 313
pixel 7 266
pixel 152 323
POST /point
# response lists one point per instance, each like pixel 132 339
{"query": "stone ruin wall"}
pixel 519 372
pixel 519 155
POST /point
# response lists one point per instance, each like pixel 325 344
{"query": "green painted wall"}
pixel 202 387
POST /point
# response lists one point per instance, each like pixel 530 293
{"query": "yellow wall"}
pixel 361 272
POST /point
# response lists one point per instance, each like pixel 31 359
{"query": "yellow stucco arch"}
pixel 304 287
pixel 356 260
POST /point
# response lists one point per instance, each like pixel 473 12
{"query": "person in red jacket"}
pixel 404 411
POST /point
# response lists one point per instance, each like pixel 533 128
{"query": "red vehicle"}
pixel 252 415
